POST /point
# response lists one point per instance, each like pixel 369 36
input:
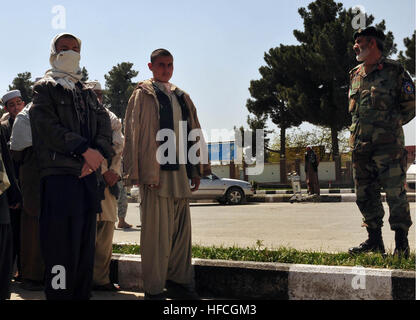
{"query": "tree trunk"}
pixel 283 142
pixel 336 153
pixel 334 138
pixel 283 173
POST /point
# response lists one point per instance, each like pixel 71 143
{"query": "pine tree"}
pixel 119 87
pixel 311 79
pixel 408 59
pixel 268 96
pixel 24 84
pixel 327 54
pixel 85 74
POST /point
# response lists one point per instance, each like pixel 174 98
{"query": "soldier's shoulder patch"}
pixel 408 87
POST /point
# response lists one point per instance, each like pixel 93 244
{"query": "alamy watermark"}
pixel 359 20
pixel 59 20
pixel 198 150
pixel 58 282
pixel 358 282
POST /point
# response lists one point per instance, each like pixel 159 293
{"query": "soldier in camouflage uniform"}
pixel 122 207
pixel 381 101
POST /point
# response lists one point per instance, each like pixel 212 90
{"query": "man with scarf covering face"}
pixel 71 135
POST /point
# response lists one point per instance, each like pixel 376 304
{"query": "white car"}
pixel 225 191
pixel 134 192
pixel 411 178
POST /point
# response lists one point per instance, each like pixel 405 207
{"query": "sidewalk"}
pixel 327 195
pixel 20 294
pixel 304 191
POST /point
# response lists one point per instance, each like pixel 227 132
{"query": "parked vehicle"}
pixel 134 192
pixel 411 178
pixel 225 191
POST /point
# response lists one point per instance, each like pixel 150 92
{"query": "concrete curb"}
pixel 278 281
pixel 351 197
pixel 323 191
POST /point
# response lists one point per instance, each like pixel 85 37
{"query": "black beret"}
pixel 369 32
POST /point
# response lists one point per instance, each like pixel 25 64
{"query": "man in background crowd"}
pixel 105 223
pixel 311 170
pixel 13 104
pixel 32 265
pixel 9 198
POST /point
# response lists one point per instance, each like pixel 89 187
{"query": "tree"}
pixel 258 123
pixel 319 137
pixel 254 124
pixel 267 95
pixel 85 74
pixel 24 84
pixel 311 80
pixel 408 59
pixel 321 96
pixel 119 87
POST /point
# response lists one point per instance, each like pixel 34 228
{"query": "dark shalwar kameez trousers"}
pixel 6 249
pixel 68 229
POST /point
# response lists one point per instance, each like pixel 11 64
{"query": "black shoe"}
pixel 30 285
pixel 107 287
pixel 374 243
pixel 402 249
pixel 177 291
pixel 18 278
pixel 159 296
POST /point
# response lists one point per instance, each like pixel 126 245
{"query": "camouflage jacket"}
pixel 380 103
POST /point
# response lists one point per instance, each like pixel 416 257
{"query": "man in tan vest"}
pixel 157 107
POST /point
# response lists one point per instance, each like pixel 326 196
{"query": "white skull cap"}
pixel 10 95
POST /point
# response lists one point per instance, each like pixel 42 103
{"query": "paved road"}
pixel 330 227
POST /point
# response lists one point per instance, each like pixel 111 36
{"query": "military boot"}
pixel 402 249
pixel 374 243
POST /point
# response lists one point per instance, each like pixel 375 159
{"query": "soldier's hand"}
pixel 93 158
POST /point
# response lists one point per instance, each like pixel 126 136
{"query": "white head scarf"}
pixel 65 78
pixel 21 137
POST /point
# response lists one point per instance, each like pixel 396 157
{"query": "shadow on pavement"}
pixel 20 294
pixel 128 230
pixel 222 205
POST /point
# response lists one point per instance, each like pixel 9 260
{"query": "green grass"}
pixel 288 255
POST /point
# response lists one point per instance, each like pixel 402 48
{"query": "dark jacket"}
pixel 311 161
pixel 29 180
pixel 57 132
pixel 6 127
pixel 6 131
pixel 12 196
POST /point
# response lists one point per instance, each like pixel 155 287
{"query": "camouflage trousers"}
pixel 122 201
pixel 381 167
